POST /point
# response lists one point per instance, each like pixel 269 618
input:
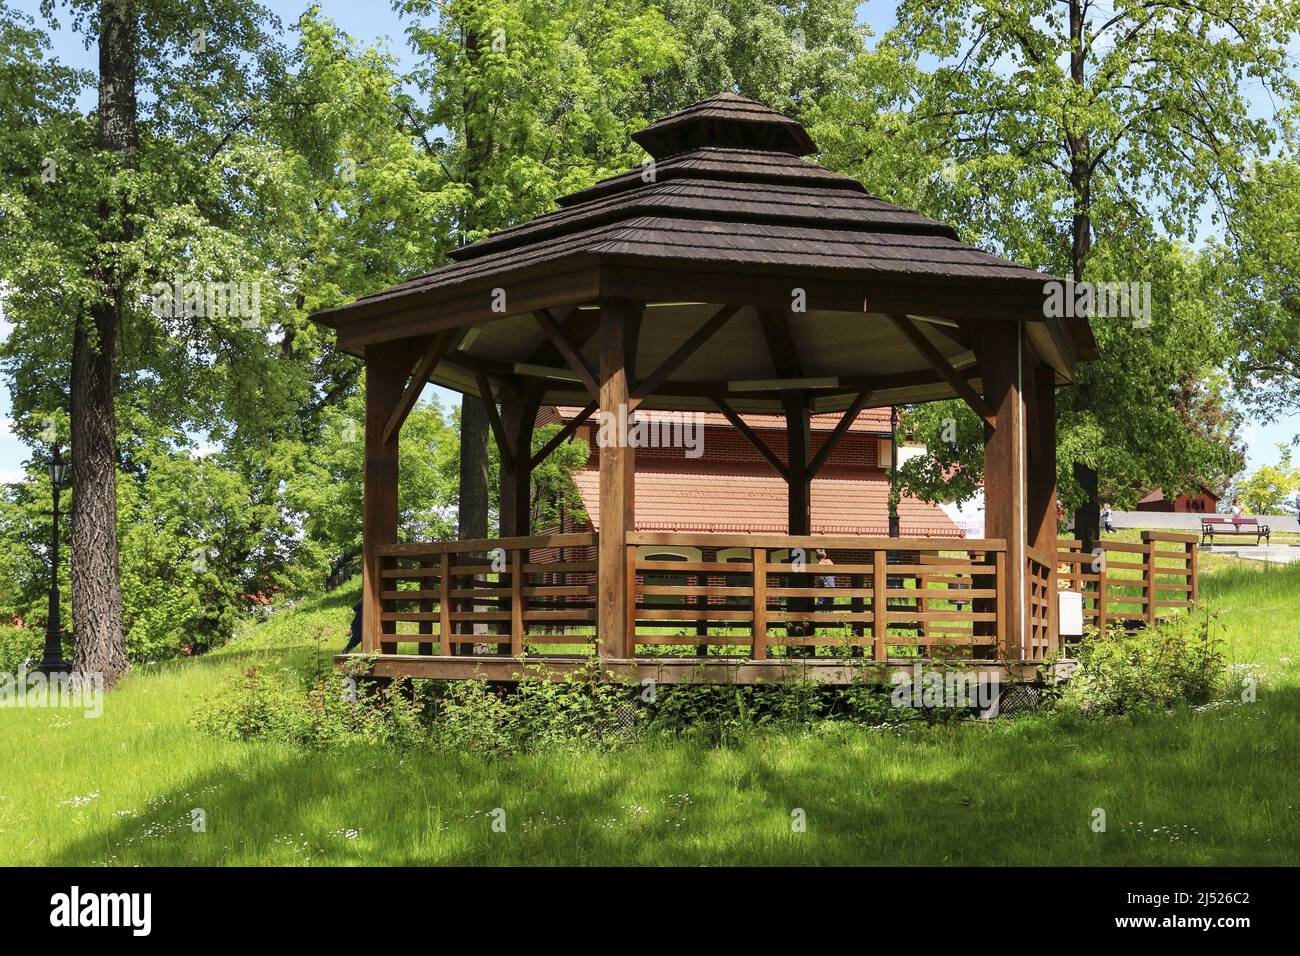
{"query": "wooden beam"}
pixel 841 429
pixel 1000 352
pixel 564 433
pixel 780 342
pixel 438 347
pixel 494 419
pixel 617 481
pixel 1040 505
pixel 518 418
pixel 944 368
pixel 566 350
pixel 752 437
pixel 646 387
pixel 386 366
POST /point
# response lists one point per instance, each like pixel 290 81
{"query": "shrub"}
pixel 20 645
pixel 1173 662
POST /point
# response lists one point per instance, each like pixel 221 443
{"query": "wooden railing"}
pixel 754 595
pixel 1041 631
pixel 747 596
pixel 506 593
pixel 1132 583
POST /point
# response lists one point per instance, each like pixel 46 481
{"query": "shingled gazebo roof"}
pixel 726 204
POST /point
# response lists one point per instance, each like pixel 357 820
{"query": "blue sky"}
pixel 374 19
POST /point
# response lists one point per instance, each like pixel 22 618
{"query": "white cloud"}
pixel 11 476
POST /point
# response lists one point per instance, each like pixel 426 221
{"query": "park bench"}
pixel 1232 527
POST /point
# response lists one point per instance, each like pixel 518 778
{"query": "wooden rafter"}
pixel 941 365
pixel 438 347
pixel 752 437
pixel 566 350
pixel 494 418
pixel 646 387
pixel 564 434
pixel 840 430
pixel 781 343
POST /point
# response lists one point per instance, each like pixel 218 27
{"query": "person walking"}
pixel 1107 517
pixel 825 580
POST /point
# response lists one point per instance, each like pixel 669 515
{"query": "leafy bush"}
pixel 19 645
pixel 1176 661
pixel 322 708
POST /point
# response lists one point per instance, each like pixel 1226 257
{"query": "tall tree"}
pixel 96 585
pixel 524 100
pixel 1257 276
pixel 125 192
pixel 1086 139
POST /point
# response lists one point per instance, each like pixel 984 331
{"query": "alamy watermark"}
pixel 204 299
pixel 82 691
pixel 957 689
pixel 622 428
pixel 1103 300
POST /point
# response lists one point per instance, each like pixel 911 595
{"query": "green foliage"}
pixel 1179 661
pixel 19 646
pixel 1257 276
pixel 1089 142
pixel 1270 489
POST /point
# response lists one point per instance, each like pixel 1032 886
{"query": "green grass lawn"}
pixel 1220 786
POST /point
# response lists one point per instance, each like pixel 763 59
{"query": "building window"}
pixel 666 578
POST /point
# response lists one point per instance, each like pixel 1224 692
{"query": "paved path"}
pixel 1271 553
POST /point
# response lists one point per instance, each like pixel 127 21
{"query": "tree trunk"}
pixel 1087 518
pixel 96 585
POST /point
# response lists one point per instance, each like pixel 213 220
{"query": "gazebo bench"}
pixel 1233 527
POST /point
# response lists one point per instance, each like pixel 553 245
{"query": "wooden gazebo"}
pixel 726 274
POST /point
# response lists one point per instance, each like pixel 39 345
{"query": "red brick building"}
pixel 1201 502
pixel 730 488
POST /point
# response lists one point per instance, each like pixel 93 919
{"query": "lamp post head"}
pixel 58 468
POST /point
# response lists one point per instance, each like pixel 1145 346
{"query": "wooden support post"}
pixel 798 428
pixel 517 635
pixel 760 604
pixel 514 435
pixel 1149 577
pixel 1103 587
pixel 444 605
pixel 617 476
pixel 1193 565
pixel 1040 484
pixel 629 643
pixel 879 615
pixel 426 607
pixel 701 603
pixel 1001 355
pixel 515 443
pixel 1001 604
pixel 386 368
pixel 858 583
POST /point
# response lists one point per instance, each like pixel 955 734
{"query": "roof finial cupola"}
pixel 727 121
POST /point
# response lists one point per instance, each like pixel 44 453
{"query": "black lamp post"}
pixel 53 661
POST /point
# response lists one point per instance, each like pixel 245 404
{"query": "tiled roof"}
pixel 756 504
pixel 728 189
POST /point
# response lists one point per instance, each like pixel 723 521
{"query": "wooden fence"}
pixel 1132 583
pixel 487 592
pixel 878 598
pixel 759 596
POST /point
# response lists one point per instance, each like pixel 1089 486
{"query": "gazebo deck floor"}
pixel 688 670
